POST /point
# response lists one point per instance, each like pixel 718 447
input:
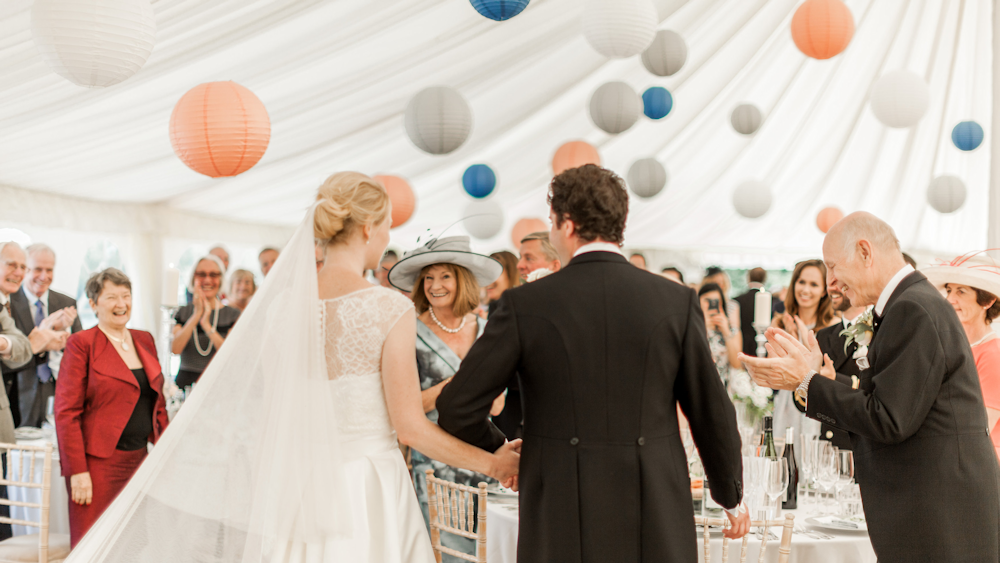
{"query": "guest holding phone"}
pixel 724 342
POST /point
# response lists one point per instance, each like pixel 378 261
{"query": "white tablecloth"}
pixel 845 547
pixel 58 498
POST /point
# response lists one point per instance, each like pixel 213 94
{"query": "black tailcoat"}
pixel 927 468
pixel 605 353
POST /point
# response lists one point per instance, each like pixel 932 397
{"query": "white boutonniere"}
pixel 538 274
pixel 861 333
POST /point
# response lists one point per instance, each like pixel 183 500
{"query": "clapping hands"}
pixel 788 361
pixel 60 320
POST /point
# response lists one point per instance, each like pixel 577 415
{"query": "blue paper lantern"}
pixel 499 10
pixel 479 180
pixel 657 102
pixel 967 135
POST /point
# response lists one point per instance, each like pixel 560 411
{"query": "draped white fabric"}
pixel 336 78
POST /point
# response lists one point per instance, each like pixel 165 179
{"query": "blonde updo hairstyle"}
pixel 347 202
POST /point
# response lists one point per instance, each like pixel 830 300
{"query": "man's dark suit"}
pixel 927 468
pixel 605 352
pixel 746 302
pixel 28 396
pixel 832 344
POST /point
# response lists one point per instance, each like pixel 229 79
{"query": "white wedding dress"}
pixel 284 453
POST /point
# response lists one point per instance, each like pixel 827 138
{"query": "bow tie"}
pixel 876 320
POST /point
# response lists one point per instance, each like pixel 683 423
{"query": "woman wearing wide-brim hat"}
pixel 444 277
pixel 971 284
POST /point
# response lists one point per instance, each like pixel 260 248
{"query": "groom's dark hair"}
pixel 594 198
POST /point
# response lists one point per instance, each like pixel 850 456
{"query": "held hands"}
pixel 787 364
pixel 82 490
pixel 506 464
pixel 739 525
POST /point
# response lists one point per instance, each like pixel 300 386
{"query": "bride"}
pixel 287 451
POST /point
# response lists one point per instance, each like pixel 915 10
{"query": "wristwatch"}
pixel 735 512
pixel 802 391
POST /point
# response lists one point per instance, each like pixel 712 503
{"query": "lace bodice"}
pixel 356 326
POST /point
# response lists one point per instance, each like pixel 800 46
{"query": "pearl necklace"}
pixel 123 342
pixel 444 328
pixel 988 336
pixel 215 327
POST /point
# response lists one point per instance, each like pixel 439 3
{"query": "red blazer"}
pixel 96 394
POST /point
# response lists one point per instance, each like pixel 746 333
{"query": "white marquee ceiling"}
pixel 335 77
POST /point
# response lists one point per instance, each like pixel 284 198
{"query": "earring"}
pixel 369 241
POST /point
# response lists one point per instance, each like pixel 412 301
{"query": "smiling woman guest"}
pixel 507 280
pixel 203 324
pixel 444 277
pixel 109 402
pixel 242 286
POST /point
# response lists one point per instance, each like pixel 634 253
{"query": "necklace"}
pixel 444 328
pixel 197 343
pixel 123 342
pixel 988 336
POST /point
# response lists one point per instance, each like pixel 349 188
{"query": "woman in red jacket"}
pixel 109 402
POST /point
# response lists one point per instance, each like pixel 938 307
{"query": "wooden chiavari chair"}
pixel 784 549
pixel 49 548
pixel 450 507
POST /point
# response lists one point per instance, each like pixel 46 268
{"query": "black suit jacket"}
pixel 927 468
pixel 746 302
pixel 605 352
pixel 832 344
pixel 21 383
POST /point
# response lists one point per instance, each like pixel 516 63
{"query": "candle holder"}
pixel 761 340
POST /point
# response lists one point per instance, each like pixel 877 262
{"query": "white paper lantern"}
pixel 438 120
pixel 94 43
pixel 647 177
pixel 666 55
pixel 752 199
pixel 900 98
pixel 946 193
pixel 483 218
pixel 615 107
pixel 619 28
pixel 746 119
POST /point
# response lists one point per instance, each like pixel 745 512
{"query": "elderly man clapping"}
pixel 928 473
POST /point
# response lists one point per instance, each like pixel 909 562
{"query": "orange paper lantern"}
pixel 827 218
pixel 573 155
pixel 220 129
pixel 525 227
pixel 404 201
pixel 822 28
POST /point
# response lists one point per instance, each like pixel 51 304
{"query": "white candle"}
pixel 762 308
pixel 173 277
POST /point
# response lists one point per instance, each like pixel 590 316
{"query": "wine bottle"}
pixel 792 493
pixel 769 449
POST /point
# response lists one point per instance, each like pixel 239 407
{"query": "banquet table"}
pixel 58 497
pixel 845 547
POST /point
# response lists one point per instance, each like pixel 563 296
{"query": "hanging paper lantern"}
pixel 220 129
pixel 746 119
pixel 900 98
pixel 752 199
pixel 479 180
pixel 657 102
pixel 822 28
pixel 946 193
pixel 438 120
pixel 619 28
pixel 483 218
pixel 94 43
pixel 827 218
pixel 499 10
pixel 525 227
pixel 666 54
pixel 967 135
pixel 574 154
pixel 647 177
pixel 614 107
pixel 404 201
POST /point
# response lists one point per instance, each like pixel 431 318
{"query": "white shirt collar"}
pixel 598 246
pixel 850 323
pixel 3 298
pixel 32 298
pixel 883 299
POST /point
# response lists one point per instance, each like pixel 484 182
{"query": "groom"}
pixel 605 352
pixel 927 468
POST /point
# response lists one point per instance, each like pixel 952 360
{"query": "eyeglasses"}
pixel 210 275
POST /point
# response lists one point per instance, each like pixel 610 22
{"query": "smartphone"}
pixel 713 305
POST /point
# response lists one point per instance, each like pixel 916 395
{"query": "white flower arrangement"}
pixel 861 332
pixel 539 274
pixel 756 399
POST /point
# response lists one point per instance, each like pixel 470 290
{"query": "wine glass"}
pixel 845 472
pixel 827 466
pixel 776 483
pixel 807 469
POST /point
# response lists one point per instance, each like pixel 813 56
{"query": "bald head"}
pixel 862 254
pixel 860 226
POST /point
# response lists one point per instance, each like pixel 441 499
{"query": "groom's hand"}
pixel 739 527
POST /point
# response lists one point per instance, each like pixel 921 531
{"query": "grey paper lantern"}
pixel 647 177
pixel 666 55
pixel 946 193
pixel 752 199
pixel 615 107
pixel 438 120
pixel 746 119
pixel 483 218
pixel 619 28
pixel 900 99
pixel 94 43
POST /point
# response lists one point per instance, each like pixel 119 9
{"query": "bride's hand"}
pixel 506 461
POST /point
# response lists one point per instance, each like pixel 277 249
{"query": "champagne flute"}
pixel 776 484
pixel 845 472
pixel 827 466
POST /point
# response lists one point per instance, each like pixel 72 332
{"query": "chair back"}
pixel 25 477
pixel 784 549
pixel 450 507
